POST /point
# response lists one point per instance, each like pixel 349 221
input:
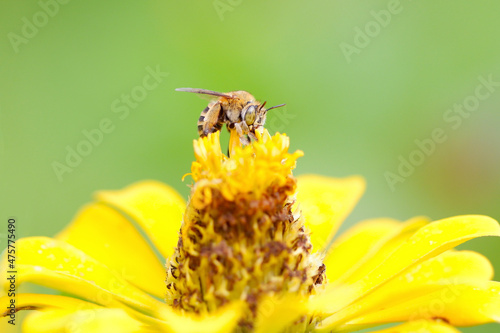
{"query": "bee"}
pixel 237 109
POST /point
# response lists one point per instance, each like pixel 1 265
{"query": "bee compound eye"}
pixel 250 115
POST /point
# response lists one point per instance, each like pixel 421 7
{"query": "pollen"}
pixel 241 238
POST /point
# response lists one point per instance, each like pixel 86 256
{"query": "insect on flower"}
pixel 237 109
pixel 253 250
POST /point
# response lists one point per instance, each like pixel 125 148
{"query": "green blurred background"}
pixel 352 111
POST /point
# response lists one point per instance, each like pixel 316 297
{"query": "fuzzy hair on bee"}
pixel 239 110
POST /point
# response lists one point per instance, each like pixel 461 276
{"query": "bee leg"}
pixel 251 133
pixel 244 127
pixel 249 130
pixel 243 139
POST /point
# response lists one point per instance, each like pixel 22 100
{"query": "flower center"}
pixel 240 239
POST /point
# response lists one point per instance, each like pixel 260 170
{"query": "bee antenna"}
pixel 262 105
pixel 276 106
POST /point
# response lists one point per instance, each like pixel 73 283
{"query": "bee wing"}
pixel 204 92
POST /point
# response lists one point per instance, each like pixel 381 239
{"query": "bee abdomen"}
pixel 211 120
pixel 200 130
pixel 201 121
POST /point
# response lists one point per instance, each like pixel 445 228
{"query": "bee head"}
pixel 262 112
pixel 249 113
pixel 254 114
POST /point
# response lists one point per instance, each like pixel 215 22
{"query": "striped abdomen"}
pixel 209 120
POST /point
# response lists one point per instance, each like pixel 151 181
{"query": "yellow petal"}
pixel 107 236
pixel 429 241
pixel 6 327
pixel 274 315
pixel 453 265
pixel 84 321
pixel 458 304
pixel 449 268
pixel 222 321
pixel 325 202
pixel 55 264
pixel 421 326
pixel 156 207
pixel 352 246
pixel 42 301
pixel 386 248
pixel 234 142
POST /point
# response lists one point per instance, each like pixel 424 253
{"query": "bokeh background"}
pixel 362 90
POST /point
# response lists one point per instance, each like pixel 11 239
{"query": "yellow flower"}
pixel 253 251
